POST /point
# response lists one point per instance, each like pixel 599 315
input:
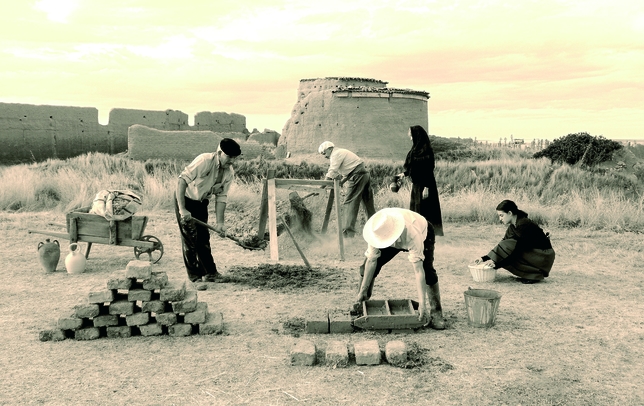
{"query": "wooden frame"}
pixel 268 207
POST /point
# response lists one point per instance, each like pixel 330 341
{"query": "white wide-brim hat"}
pixel 324 146
pixel 384 228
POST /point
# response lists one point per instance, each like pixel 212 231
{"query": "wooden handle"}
pixel 306 262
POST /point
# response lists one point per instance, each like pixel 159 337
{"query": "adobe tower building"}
pixel 362 115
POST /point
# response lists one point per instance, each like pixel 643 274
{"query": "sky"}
pixel 531 69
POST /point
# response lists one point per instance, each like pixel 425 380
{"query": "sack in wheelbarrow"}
pixel 116 204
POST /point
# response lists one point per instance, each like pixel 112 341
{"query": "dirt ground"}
pixel 575 339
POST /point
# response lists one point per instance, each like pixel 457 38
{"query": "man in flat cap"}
pixel 350 169
pixel 208 176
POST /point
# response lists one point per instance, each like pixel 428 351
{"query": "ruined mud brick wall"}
pixel 37 132
pixel 121 119
pixel 362 115
pixel 218 122
pixel 149 143
pixel 137 301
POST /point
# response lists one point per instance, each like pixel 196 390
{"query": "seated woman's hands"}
pixel 489 262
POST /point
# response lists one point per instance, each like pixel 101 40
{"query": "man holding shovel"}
pixel 208 176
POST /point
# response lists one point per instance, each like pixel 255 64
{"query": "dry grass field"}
pixel 575 339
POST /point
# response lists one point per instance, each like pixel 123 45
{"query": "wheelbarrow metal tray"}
pixel 389 314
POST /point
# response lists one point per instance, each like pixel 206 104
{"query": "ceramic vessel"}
pixel 75 260
pixel 49 254
pixel 394 186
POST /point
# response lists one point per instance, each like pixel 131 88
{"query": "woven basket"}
pixel 482 273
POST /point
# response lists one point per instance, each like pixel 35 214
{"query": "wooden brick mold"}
pixel 137 301
pixel 391 315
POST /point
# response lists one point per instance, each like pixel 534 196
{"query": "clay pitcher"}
pixel 49 254
pixel 394 186
pixel 75 260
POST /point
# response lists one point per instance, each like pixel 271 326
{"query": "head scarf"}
pixel 419 164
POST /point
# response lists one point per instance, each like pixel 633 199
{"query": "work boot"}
pixel 436 310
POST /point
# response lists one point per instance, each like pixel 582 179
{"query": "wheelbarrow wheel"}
pixel 155 253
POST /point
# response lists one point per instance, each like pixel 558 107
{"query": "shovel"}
pixel 241 244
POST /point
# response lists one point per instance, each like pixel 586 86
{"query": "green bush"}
pixel 580 147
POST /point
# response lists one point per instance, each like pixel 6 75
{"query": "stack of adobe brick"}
pixel 137 301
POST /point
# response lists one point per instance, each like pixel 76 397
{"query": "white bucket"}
pixel 482 272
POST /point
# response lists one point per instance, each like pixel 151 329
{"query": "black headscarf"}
pixel 419 164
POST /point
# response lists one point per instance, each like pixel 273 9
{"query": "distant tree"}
pixel 579 148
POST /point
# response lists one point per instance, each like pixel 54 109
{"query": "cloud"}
pixel 175 47
pixel 57 10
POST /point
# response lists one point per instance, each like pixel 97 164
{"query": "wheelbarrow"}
pixel 96 229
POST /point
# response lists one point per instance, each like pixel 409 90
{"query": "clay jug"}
pixel 75 260
pixel 49 254
pixel 394 186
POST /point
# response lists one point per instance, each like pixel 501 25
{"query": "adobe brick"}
pixel 180 330
pixel 340 323
pixel 303 353
pixel 139 294
pixel 106 320
pixel 89 333
pixel 70 322
pixel 198 316
pixel 367 352
pixel 214 324
pixel 119 332
pixel 153 306
pixel 118 281
pixel 137 319
pixel 173 292
pixel 152 329
pixel 396 353
pixel 157 280
pixel 337 354
pixel 317 323
pixel 138 269
pixel 188 304
pixel 100 295
pixel 52 335
pixel 166 319
pixel 122 307
pixel 87 310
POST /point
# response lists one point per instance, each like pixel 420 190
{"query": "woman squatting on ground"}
pixel 525 250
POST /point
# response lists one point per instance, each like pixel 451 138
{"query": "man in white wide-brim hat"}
pixel 391 231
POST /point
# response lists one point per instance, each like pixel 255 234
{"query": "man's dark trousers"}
pixel 195 241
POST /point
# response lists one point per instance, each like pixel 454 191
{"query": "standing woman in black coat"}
pixel 419 166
